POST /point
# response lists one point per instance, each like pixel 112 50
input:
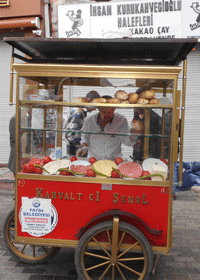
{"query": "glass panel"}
pixel 133 124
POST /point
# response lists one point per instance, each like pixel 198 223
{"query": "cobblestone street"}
pixel 182 263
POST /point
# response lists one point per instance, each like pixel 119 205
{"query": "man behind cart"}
pixel 75 122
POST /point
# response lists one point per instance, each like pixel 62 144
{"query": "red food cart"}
pixel 116 223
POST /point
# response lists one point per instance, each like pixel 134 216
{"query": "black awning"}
pixel 104 51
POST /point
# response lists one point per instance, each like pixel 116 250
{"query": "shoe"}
pixel 173 196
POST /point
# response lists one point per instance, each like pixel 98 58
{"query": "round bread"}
pixel 142 101
pixel 80 100
pixel 99 100
pixel 121 95
pixel 154 101
pixel 125 102
pixel 137 126
pixel 132 97
pixel 113 100
pixel 148 94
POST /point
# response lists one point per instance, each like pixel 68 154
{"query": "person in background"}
pixel 75 122
pixel 108 145
pixel 154 142
pixel 11 161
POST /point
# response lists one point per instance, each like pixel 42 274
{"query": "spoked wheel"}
pixel 25 253
pixel 113 250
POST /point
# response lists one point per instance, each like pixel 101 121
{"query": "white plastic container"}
pixel 58 153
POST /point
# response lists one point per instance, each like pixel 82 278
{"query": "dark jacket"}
pixel 11 161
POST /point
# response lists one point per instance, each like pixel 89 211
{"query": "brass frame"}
pixel 98 71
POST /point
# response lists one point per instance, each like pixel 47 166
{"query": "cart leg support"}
pixel 155 264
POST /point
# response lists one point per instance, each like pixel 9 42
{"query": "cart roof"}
pixel 104 51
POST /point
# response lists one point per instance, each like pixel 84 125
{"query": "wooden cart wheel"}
pixel 115 250
pixel 25 253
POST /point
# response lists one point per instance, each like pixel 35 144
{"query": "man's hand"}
pixel 82 152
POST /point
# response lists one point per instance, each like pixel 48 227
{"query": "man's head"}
pixel 106 113
pixel 90 96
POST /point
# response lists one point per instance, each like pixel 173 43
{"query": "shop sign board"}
pixel 143 19
pixel 191 19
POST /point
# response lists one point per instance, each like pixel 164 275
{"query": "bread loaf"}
pixel 125 102
pixel 132 97
pixel 121 95
pixel 113 100
pixel 80 100
pixel 142 101
pixel 154 101
pixel 148 94
pixel 99 100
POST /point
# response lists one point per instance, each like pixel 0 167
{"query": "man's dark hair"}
pixel 107 96
pixel 92 94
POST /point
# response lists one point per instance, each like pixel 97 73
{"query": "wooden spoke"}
pixel 34 251
pixel 23 248
pixel 122 275
pixel 97 256
pixel 113 272
pixel 96 266
pixel 131 259
pixel 130 269
pixel 105 272
pixel 109 238
pixel 131 247
pixel 121 240
pixel 102 247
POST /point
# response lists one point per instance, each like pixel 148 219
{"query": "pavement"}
pixel 182 263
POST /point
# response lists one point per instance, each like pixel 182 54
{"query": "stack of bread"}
pixel 145 97
pixel 121 96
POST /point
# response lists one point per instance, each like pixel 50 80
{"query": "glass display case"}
pixel 44 112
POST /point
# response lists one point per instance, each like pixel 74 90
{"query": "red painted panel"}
pixel 78 203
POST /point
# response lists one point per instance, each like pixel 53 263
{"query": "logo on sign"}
pixel 77 22
pixel 196 8
pixel 36 203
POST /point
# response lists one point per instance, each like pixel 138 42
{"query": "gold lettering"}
pixel 60 194
pixel 53 195
pixel 91 197
pixel 38 192
pixel 97 198
pixel 123 199
pixel 130 199
pixel 137 199
pixel 47 195
pixel 71 196
pixel 66 196
pixel 143 199
pixel 79 196
pixel 116 199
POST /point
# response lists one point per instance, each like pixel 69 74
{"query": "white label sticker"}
pixel 36 215
pixel 107 187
